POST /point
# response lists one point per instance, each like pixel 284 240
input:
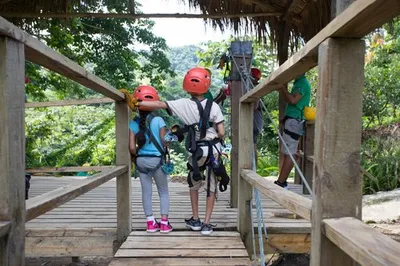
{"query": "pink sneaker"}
pixel 153 226
pixel 165 228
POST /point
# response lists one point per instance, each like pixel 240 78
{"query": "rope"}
pixel 246 80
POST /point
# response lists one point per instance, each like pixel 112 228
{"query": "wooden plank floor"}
pixel 182 248
pixel 86 226
pixel 97 209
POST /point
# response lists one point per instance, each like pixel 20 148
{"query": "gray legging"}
pixel 146 180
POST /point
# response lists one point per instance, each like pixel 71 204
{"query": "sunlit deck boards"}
pixel 97 209
pixel 86 226
pixel 182 248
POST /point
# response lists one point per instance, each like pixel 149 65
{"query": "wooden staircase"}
pixel 182 248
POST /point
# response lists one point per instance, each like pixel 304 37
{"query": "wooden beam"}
pixel 69 102
pixel 337 182
pixel 4 228
pixel 124 191
pixel 246 147
pixel 138 16
pixel 51 200
pixel 364 244
pixel 354 22
pixel 237 90
pixel 12 150
pixel 37 52
pixel 291 201
pixel 308 170
pixel 68 169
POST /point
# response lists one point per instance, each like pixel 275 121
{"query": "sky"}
pixel 180 31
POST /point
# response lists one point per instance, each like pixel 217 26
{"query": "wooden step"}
pixel 182 248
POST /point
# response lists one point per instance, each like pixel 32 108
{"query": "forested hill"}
pixel 182 58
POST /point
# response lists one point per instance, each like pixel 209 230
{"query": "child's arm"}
pixel 163 132
pixel 221 130
pixel 153 105
pixel 132 143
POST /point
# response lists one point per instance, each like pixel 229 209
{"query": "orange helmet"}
pixel 255 73
pixel 146 93
pixel 197 80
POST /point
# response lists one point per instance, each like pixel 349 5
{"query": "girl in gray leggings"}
pixel 146 146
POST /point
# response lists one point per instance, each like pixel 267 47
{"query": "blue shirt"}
pixel 149 148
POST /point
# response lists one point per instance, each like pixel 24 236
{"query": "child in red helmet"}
pixel 204 124
pixel 146 145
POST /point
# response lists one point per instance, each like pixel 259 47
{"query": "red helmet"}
pixel 197 80
pixel 146 93
pixel 255 73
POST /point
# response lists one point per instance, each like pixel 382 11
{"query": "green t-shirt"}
pixel 208 95
pixel 302 86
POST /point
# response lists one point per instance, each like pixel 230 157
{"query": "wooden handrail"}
pixel 37 52
pixel 364 244
pixel 50 200
pixel 67 169
pixel 68 103
pixel 354 22
pixel 138 16
pixel 4 228
pixel 292 201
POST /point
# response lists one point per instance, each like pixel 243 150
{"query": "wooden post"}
pixel 12 150
pixel 337 181
pixel 245 162
pixel 124 202
pixel 237 90
pixel 308 150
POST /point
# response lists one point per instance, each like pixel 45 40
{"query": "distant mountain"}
pixel 183 58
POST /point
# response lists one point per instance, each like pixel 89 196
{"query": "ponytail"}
pixel 141 136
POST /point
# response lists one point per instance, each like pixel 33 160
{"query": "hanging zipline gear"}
pixel 195 141
pixel 197 80
pixel 165 163
pixel 221 97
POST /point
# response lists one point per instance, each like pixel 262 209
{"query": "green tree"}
pixel 122 52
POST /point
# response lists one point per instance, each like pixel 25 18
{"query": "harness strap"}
pixel 204 116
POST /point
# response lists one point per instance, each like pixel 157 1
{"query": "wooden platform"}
pixel 182 248
pixel 91 218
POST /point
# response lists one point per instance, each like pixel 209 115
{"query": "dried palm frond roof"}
pixel 296 19
pixel 290 19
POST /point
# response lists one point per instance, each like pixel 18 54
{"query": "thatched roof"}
pixel 290 19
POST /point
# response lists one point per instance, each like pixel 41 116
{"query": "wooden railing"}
pixel 16 46
pixel 338 235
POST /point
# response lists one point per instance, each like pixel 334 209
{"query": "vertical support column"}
pixel 246 148
pixel 124 201
pixel 237 90
pixel 12 150
pixel 337 182
pixel 308 149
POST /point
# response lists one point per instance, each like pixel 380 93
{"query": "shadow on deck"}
pixel 86 226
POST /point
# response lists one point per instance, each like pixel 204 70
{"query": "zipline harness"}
pixel 196 134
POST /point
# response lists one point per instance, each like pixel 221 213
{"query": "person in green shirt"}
pixel 293 123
